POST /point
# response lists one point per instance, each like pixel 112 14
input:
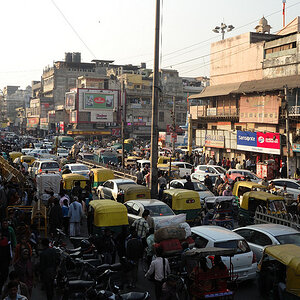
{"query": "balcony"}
pixel 227 112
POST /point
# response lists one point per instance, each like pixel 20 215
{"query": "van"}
pixel 184 168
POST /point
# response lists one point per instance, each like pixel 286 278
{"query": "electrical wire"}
pixel 74 30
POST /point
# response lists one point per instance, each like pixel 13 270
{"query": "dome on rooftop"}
pixel 263 21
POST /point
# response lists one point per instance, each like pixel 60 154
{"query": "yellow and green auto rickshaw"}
pixel 14 155
pixel 27 159
pixel 132 160
pixel 70 179
pixel 242 187
pixel 279 272
pixel 100 175
pixel 183 201
pixel 133 192
pixel 172 172
pixel 106 214
pixel 165 160
pixel 251 200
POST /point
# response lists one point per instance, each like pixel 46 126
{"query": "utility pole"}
pixel 287 131
pixel 174 128
pixel 122 124
pixel 155 95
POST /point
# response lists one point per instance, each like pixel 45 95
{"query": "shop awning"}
pixel 88 132
pixel 272 84
pixel 217 90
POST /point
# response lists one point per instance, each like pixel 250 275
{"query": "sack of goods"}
pixel 170 232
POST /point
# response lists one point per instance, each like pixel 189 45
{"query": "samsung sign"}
pixel 258 142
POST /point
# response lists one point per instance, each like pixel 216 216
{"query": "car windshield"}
pixel 88 156
pixel 125 182
pixel 220 170
pixel 277 206
pixel 159 210
pixel 50 165
pixel 199 187
pixel 79 168
pixel 293 238
pixel 62 151
pixel 240 245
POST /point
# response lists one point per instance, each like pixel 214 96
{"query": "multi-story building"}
pixel 243 113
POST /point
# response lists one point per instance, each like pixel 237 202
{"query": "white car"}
pixel 41 153
pixel 292 186
pixel 244 261
pixel 184 168
pixel 202 190
pixel 261 235
pixel 78 169
pixel 244 173
pixel 62 152
pixel 25 151
pixel 43 165
pixel 201 176
pixel 213 169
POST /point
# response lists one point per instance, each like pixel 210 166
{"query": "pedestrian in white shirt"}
pixel 160 268
pixel 75 214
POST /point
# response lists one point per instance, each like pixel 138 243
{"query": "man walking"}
pixel 75 214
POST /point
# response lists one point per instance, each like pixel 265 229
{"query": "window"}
pixel 200 242
pixel 159 210
pixel 238 127
pixel 292 185
pixel 240 245
pixel 161 116
pixel 246 234
pixel 50 165
pixel 213 127
pixel 108 184
pixel 261 239
pixel 289 239
pixel 188 166
pixel 280 183
pixel 176 185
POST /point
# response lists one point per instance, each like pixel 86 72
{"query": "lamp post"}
pixel 222 29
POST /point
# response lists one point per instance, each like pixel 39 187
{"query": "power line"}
pixel 74 30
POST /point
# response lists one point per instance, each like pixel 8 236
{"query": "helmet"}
pixel 85 244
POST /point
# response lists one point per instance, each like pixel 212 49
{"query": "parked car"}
pixel 111 188
pixel 202 190
pixel 85 156
pixel 43 165
pixel 292 186
pixel 158 209
pixel 213 169
pixel 244 261
pixel 184 168
pixel 261 235
pixel 41 153
pixel 62 152
pixel 244 173
pixel 201 176
pixel 78 169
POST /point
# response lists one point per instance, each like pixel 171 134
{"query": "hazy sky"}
pixel 34 33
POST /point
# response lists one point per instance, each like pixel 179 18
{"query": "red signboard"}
pixel 268 140
pixel 116 131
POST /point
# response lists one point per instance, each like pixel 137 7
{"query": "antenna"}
pixel 283 11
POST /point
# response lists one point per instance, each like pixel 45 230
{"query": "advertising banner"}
pixel 70 101
pixel 73 116
pixel 296 147
pixel 32 122
pixel 98 101
pixel 215 141
pixel 258 142
pixel 259 109
pixel 102 116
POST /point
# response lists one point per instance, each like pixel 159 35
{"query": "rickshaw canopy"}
pixel 28 159
pixel 248 185
pixel 102 175
pixel 165 159
pixel 184 199
pixel 69 179
pixel 135 192
pixel 14 155
pixel 109 213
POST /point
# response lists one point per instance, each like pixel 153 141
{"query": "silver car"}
pixel 292 186
pixel 261 235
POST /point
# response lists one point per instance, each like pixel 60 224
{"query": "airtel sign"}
pixel 99 100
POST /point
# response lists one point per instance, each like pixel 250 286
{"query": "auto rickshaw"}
pixel 14 155
pixel 217 281
pixel 70 179
pixel 279 272
pixel 106 214
pixel 251 200
pixel 131 160
pixel 133 192
pixel 173 171
pixel 28 159
pixel 164 160
pixel 220 211
pixel 101 175
pixel 241 187
pixel 184 201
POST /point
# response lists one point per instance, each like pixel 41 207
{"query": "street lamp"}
pixel 223 28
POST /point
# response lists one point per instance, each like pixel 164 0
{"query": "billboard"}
pixel 33 122
pixel 215 141
pixel 259 109
pixel 70 101
pixel 258 142
pixel 102 116
pixel 93 101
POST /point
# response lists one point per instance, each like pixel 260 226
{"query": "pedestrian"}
pixel 139 176
pixel 13 294
pixel 248 164
pixel 141 227
pixel 160 269
pixel 107 247
pixel 162 187
pixel 161 180
pixel 265 182
pixel 24 268
pixel 55 217
pixel 227 192
pixel 188 185
pixel 63 196
pixel 23 244
pixel 9 232
pixel 228 164
pixel 65 215
pixel 22 287
pixel 77 190
pixel 238 165
pixel 134 252
pixel 224 162
pixel 48 264
pixel 75 214
pixel 208 182
pixel 120 242
pixel 5 258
